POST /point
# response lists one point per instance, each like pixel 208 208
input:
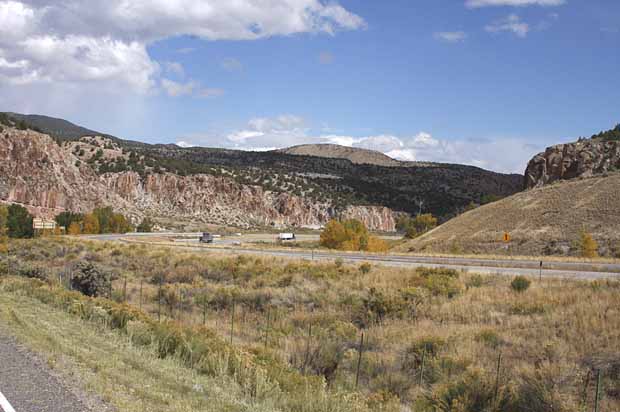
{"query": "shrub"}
pixel 475 281
pixel 365 268
pixel 430 272
pixel 489 338
pixel 90 280
pixel 520 284
pixel 32 272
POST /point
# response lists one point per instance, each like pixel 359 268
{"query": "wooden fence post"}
pixel 359 361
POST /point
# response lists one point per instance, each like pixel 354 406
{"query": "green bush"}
pixel 90 280
pixel 33 272
pixel 520 284
pixel 365 268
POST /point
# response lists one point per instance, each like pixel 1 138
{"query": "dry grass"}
pixel 540 221
pixel 310 316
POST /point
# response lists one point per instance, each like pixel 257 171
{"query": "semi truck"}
pixel 286 237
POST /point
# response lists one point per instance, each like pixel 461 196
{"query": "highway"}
pixel 509 267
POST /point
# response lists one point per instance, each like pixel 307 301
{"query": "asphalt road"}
pixel 525 267
pixel 27 384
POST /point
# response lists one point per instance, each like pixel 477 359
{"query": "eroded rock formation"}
pixel 584 158
pixel 48 179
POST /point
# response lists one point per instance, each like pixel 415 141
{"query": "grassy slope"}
pixel 125 376
pixel 534 219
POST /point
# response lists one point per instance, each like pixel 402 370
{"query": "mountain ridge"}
pixel 443 189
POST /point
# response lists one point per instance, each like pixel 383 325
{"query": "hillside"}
pixel 219 185
pixel 355 155
pixel 544 220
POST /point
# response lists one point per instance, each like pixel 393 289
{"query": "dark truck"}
pixel 206 238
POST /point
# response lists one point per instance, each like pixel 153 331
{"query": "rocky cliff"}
pixel 585 158
pixel 47 178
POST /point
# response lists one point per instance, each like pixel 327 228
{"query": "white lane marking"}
pixel 5 405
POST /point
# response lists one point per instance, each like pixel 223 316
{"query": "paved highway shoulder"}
pixel 28 385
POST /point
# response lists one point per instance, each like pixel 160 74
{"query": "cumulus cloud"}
pixel 502 154
pixel 514 3
pixel 75 41
pixel 511 23
pixel 451 36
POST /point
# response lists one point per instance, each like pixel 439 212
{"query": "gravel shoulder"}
pixel 29 384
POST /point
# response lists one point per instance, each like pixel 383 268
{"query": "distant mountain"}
pixel 59 128
pixel 332 151
pixel 337 180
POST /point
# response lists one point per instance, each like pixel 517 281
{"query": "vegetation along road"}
pixel 563 269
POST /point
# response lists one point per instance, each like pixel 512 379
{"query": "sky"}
pixel 482 82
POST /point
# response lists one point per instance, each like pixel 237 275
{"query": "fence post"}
pixel 204 310
pixel 359 361
pixel 499 364
pixel 584 397
pixel 232 321
pixel 161 280
pixel 303 369
pixel 125 289
pixel 267 328
pixel 422 368
pixel 598 390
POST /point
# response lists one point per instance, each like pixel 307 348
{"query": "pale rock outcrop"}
pixel 585 158
pixel 39 174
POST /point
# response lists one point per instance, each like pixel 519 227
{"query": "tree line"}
pixel 17 223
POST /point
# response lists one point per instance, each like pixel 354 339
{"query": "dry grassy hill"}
pixel 333 151
pixel 544 220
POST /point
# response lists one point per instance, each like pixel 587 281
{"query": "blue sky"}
pixel 483 82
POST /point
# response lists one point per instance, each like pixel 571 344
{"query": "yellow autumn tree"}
pixel 350 235
pixel 74 229
pixel 587 245
pixel 91 224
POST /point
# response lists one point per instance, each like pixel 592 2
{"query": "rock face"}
pixel 584 158
pixel 48 179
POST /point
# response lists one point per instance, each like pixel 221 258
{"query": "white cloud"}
pixel 514 3
pixel 503 155
pixel 451 36
pixel 190 88
pixel 183 144
pixel 511 23
pixel 73 42
pixel 175 68
pixel 176 89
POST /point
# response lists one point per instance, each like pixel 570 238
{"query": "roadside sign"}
pixel 506 237
pixel 42 224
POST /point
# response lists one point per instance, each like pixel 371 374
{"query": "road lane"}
pixel 527 267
